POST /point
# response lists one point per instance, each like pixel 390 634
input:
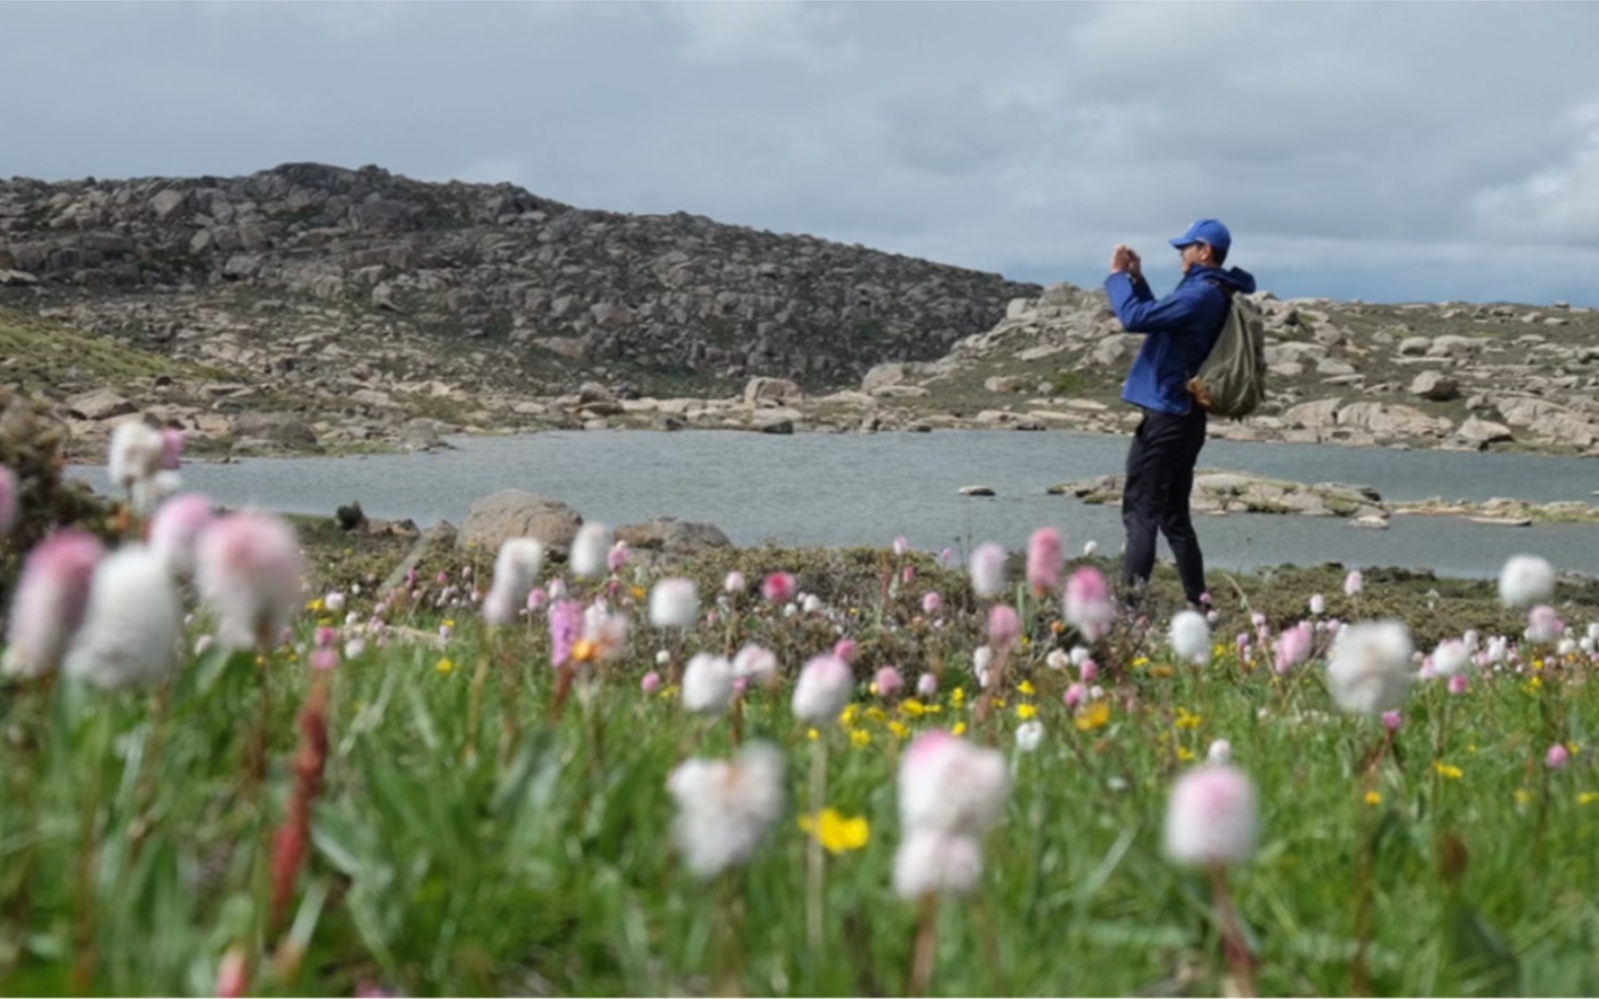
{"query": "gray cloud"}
pixel 1408 151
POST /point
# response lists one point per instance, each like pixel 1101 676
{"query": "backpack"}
pixel 1232 379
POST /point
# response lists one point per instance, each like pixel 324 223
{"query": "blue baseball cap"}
pixel 1208 231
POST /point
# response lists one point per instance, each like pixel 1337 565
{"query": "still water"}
pixel 866 489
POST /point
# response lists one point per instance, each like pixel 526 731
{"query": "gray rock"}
pixel 677 537
pixel 517 513
pixel 1435 386
pixel 99 404
pixel 774 391
pixel 285 429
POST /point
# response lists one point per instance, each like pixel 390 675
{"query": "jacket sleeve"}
pixel 1142 313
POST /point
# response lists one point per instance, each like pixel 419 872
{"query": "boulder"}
pixel 1435 386
pixel 517 513
pixel 774 391
pixel 287 429
pixel 673 536
pixel 100 404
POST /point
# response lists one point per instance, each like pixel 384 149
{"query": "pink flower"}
pixel 1088 604
pixel 1354 583
pixel 945 557
pixel 823 688
pixel 651 683
pixel 734 582
pixel 931 602
pixel 1391 720
pixel 1076 694
pixel 755 663
pixel 779 587
pixel 1004 626
pixel 1293 646
pixel 1044 560
pixel 1543 625
pixel 901 546
pixel 176 527
pixel 926 685
pixel 889 683
pixel 949 785
pixel 907 575
pixel 233 973
pixel 987 570
pixel 1088 672
pixel 50 599
pixel 1557 757
pixel 8 500
pixel 536 599
pixel 617 557
pixel 248 569
pixel 1459 683
pixel 847 649
pixel 171 449
pixel 1212 817
pixel 566 627
pixel 324 659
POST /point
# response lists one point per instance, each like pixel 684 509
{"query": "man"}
pixel 1181 329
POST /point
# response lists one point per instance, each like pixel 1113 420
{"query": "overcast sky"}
pixel 1409 152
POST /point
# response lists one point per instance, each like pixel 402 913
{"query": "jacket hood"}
pixel 1235 278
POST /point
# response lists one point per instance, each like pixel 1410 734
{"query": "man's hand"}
pixel 1122 259
pixel 1135 265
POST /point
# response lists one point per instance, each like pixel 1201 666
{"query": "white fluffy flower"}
pixel 1057 659
pixel 1190 637
pixel 1526 580
pixel 755 664
pixel 1212 817
pixel 590 548
pixel 1369 671
pixel 1089 548
pixel 823 688
pixel 132 624
pixel 1543 625
pixel 1220 751
pixel 725 807
pixel 248 569
pixel 1318 605
pixel 982 661
pixel 930 862
pixel 674 603
pixel 1451 657
pixel 1029 734
pixel 707 684
pixel 515 569
pixel 948 785
pixel 137 453
pixel 987 568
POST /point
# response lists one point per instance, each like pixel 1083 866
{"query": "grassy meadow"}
pixel 473 821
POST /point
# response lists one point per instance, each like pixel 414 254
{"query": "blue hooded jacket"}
pixel 1181 328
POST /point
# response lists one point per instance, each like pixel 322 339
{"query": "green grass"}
pixel 535 856
pixel 42 355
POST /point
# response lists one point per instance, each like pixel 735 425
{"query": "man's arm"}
pixel 1140 312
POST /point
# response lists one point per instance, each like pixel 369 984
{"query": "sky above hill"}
pixel 1389 152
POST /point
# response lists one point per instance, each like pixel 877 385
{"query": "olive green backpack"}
pixel 1232 380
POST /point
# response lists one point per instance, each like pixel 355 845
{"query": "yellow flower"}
pixel 449 622
pixel 1523 796
pixel 1026 711
pixel 911 707
pixel 1184 754
pixel 1587 797
pixel 638 592
pixel 848 717
pixel 876 714
pixel 445 666
pixel 1186 719
pixel 900 729
pixel 812 734
pixel 1373 798
pixel 957 697
pixel 1447 770
pixel 1026 687
pixel 316 606
pixel 860 737
pixel 1162 671
pixel 585 651
pixel 1094 716
pixel 934 709
pixel 959 729
pixel 1535 684
pixel 837 833
pixel 999 702
pixel 668 692
pixel 1140 662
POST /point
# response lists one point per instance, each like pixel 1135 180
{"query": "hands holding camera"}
pixel 1125 261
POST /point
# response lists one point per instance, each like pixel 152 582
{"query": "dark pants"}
pixel 1160 475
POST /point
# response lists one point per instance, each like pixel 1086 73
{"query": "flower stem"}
pixel 926 949
pixel 816 860
pixel 1240 962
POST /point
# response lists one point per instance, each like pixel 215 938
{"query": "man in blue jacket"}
pixel 1180 331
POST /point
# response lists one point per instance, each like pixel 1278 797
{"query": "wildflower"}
pixel 1459 684
pixel 927 685
pixel 1190 637
pixel 931 602
pixel 1391 720
pixel 929 862
pixel 1318 605
pixel 899 728
pixel 674 603
pixel 823 688
pixel 1220 751
pixel 1076 694
pixel 888 682
pixel 1526 580
pixel 589 550
pixel 1026 688
pixel 1044 560
pixel 1451 658
pixel 847 649
pixel 951 786
pixel 1026 711
pixel 1293 647
pixel 131 624
pixel 756 664
pixel 1088 672
pixel 779 587
pixel 1354 583
pixel 334 602
pixel 1004 626
pixel 353 648
pixel 515 568
pixel 248 569
pixel 1373 798
pixel 566 628
pixel 860 738
pixel 837 833
pixel 1028 735
pixel 51 596
pixel 605 633
pixel 1186 719
pixel 1557 757
pixel 536 599
pixel 1587 797
pixel 650 683
pixel 734 583
pixel 810 603
pixel 137 454
pixel 1524 797
pixel 1212 817
pixel 617 557
pixel 445 666
pixel 725 807
pixel 1057 660
pixel 1448 771
pixel 987 570
pixel 1089 548
pixel 1543 626
pixel 901 546
pixel 959 729
pixel 1088 605
pixel 707 684
pixel 1095 716
pixel 1370 668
